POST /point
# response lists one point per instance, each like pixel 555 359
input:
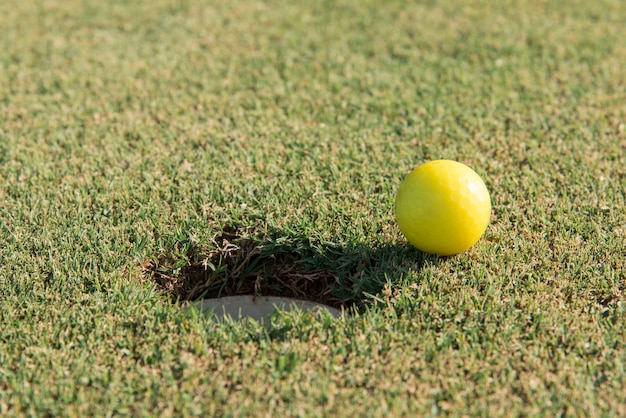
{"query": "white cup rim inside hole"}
pixel 259 308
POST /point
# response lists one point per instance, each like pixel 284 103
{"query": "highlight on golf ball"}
pixel 443 207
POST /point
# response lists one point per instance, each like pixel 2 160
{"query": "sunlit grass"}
pixel 136 132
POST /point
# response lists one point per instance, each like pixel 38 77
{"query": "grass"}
pixel 133 134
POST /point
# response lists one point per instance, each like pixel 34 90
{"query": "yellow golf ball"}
pixel 443 207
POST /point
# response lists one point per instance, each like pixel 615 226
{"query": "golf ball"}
pixel 443 207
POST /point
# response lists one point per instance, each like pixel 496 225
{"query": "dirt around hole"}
pixel 243 265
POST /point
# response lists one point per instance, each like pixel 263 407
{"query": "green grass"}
pixel 135 132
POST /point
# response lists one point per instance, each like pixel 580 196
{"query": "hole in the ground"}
pixel 236 264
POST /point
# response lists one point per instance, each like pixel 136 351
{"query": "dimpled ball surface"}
pixel 443 207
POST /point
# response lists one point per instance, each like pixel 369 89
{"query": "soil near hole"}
pixel 241 265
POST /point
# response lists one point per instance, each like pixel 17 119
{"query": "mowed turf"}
pixel 134 133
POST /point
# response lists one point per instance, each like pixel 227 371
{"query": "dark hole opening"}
pixel 236 264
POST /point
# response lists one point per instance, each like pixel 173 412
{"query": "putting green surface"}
pixel 161 150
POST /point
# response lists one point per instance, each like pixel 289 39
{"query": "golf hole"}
pixel 243 276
